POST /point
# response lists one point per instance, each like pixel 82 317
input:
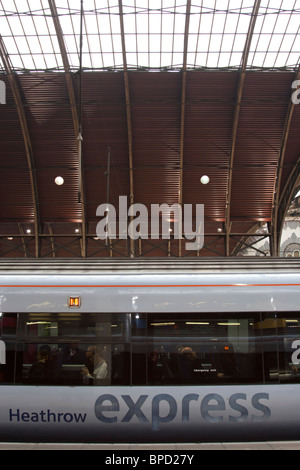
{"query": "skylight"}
pixel 154 34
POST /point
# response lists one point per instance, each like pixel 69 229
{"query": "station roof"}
pixel 141 98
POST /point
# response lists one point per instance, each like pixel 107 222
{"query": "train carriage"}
pixel 149 350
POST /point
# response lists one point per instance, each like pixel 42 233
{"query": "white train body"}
pixel 240 317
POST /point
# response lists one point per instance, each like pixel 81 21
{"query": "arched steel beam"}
pixel 292 183
pixel 76 120
pixel 12 79
pixel 182 111
pixel 244 240
pixel 236 121
pixel 129 122
pixel 280 201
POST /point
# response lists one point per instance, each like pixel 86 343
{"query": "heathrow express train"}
pixel 149 351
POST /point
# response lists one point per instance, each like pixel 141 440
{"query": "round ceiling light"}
pixel 59 180
pixel 204 179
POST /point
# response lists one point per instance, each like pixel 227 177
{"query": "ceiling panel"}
pixel 159 107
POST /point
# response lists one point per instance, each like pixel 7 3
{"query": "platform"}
pixel 189 447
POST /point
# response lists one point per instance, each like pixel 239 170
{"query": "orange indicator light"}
pixel 74 302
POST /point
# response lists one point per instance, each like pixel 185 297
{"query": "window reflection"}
pixel 73 364
pixel 289 347
pixel 201 363
pixel 74 349
pixel 202 349
pixel 8 324
pixel 75 325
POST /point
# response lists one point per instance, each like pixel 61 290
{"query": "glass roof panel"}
pixel 275 40
pixel 154 34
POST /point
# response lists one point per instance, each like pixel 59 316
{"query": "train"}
pixel 149 350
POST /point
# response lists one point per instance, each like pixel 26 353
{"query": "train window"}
pixel 266 329
pixel 288 334
pixel 139 324
pixel 8 330
pixel 7 362
pixel 280 338
pixel 149 349
pixel 65 349
pixel 74 325
pixel 203 349
pixel 8 324
pixel 139 366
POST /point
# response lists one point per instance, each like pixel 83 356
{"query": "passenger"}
pixel 189 353
pixel 73 355
pixel 187 363
pixel 227 367
pixel 41 369
pixel 95 357
pixel 165 359
pixel 89 360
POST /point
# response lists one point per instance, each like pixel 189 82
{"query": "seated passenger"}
pixel 187 363
pixel 99 365
pixel 40 371
pixel 72 354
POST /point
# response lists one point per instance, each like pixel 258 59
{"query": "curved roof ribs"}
pixel 183 102
pixel 27 141
pixel 281 201
pixel 129 123
pixel 250 240
pixel 286 197
pixel 76 120
pixel 236 121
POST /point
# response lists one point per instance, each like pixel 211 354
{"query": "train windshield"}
pixel 149 348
